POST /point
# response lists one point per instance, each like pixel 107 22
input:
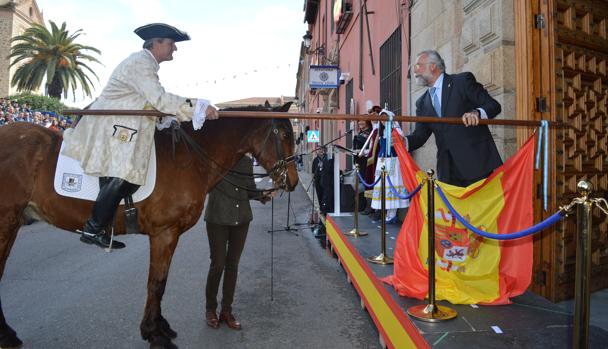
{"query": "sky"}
pixel 238 48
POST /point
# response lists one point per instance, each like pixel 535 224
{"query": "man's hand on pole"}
pixel 471 118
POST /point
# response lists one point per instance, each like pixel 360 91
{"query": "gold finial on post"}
pixel 584 188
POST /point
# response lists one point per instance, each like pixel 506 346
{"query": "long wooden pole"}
pixel 266 115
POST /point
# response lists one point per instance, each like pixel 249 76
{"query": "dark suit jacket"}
pixel 324 182
pixel 464 154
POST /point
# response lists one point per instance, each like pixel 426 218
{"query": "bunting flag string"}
pixel 231 76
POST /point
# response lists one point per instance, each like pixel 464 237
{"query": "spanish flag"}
pixel 469 269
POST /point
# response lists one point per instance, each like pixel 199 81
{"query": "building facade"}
pixel 15 17
pixel 373 43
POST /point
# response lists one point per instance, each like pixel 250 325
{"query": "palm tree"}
pixel 40 53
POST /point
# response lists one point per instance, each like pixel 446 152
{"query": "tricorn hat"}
pixel 161 30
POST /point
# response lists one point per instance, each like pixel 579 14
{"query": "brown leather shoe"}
pixel 230 320
pixel 212 320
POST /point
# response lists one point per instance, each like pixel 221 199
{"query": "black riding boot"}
pixel 111 192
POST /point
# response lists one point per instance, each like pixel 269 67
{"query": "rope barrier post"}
pixel 583 267
pixel 355 232
pixel 431 312
pixel 382 258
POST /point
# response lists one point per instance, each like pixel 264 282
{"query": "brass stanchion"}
pixel 382 258
pixel 583 267
pixel 355 232
pixel 431 312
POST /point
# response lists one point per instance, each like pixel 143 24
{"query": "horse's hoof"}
pixel 166 329
pixel 159 342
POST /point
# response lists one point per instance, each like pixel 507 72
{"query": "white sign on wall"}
pixel 324 76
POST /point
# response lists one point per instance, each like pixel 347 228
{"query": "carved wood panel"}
pixel 581 99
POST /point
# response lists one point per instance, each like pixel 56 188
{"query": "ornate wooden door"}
pixel 562 76
pixel 581 92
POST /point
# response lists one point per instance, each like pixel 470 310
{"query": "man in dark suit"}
pixel 323 169
pixel 465 153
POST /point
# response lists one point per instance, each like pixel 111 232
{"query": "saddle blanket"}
pixel 71 181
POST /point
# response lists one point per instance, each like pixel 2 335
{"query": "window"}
pixel 390 72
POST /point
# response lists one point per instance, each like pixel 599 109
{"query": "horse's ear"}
pixel 285 107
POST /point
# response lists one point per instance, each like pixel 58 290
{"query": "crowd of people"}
pixel 11 111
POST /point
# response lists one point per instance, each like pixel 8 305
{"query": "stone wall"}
pixel 476 36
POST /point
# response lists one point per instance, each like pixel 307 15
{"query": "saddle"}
pixel 71 181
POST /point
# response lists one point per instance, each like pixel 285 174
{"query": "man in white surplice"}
pixel 117 148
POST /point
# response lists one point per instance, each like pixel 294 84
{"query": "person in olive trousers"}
pixel 227 219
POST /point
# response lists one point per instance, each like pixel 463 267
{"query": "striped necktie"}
pixel 435 100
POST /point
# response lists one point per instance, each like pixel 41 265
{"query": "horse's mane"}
pixel 247 108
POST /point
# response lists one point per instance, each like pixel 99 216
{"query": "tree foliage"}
pixel 36 102
pixel 52 57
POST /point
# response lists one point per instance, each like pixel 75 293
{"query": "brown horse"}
pixel 28 157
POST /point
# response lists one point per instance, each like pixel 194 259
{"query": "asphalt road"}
pixel 60 293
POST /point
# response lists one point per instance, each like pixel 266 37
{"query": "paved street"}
pixel 60 293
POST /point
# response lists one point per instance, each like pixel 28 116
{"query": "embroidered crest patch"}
pixel 71 182
pixel 123 133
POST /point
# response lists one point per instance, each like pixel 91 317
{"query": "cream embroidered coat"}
pixel 120 146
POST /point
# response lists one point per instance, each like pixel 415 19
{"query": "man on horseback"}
pixel 117 148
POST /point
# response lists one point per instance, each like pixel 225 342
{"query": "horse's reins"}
pixel 279 169
pixel 175 138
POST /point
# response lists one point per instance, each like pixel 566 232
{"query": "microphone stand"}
pixel 288 228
